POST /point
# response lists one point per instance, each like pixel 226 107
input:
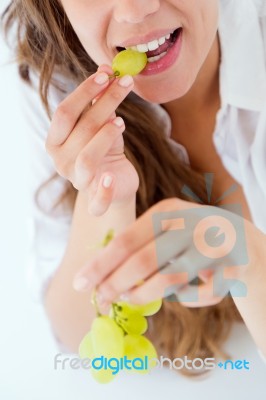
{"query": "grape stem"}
pixel 94 302
pixel 114 75
pixel 118 321
pixel 108 237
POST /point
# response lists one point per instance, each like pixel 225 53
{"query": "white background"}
pixel 27 348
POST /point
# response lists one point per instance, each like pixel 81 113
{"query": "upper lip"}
pixel 140 39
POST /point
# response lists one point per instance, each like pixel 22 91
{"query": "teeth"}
pixel 162 40
pixel 156 58
pixel 144 47
pixel 153 45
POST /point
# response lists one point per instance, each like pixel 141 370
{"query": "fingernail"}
pixel 118 122
pixel 125 81
pixel 100 299
pixel 80 283
pixel 124 297
pixel 105 308
pixel 107 182
pixel 101 78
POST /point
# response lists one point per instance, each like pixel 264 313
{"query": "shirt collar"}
pixel 242 69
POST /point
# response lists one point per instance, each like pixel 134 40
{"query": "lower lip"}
pixel 167 61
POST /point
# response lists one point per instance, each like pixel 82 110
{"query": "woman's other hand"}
pixel 169 246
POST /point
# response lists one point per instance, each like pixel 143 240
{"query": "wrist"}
pixel 123 213
pixel 124 204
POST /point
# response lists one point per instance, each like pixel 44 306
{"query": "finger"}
pixel 70 109
pixel 108 70
pixel 88 126
pixel 113 115
pixel 137 268
pixel 215 288
pixel 189 262
pixel 91 121
pixel 221 280
pixel 157 286
pixel 140 266
pixel 105 68
pixel 128 270
pixel 123 246
pixel 162 286
pixel 201 295
pixel 89 159
pixel 101 201
pixel 204 275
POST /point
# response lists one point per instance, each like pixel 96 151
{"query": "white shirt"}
pixel 239 135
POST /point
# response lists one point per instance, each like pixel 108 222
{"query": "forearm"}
pixel 69 311
pixel 252 307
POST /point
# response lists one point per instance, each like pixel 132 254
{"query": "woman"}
pixel 133 145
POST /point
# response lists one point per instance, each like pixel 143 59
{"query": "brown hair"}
pixel 45 41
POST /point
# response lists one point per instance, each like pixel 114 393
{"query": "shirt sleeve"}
pixel 49 229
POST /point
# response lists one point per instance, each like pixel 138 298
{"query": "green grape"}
pixel 85 347
pixel 150 308
pixel 133 323
pixel 120 333
pixel 130 321
pixel 143 309
pixel 106 337
pixel 129 62
pixel 103 375
pixel 136 346
pixel 86 351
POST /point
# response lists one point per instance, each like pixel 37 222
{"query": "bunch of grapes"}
pixel 129 62
pixel 119 334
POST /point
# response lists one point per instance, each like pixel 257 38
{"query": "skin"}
pixel 103 25
pixel 194 98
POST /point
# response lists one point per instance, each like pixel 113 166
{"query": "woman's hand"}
pixel 170 245
pixel 86 142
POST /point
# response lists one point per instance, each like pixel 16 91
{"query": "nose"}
pixel 135 11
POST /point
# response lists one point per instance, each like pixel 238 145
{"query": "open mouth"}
pixel 156 49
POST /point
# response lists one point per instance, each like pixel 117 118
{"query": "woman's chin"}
pixel 160 96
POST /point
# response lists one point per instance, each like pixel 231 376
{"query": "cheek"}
pixel 201 22
pixel 88 28
pixel 198 40
pixel 90 38
pixel 93 41
pixel 204 23
pixel 209 19
pixel 95 52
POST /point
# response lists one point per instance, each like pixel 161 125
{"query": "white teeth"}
pixel 142 48
pixel 153 45
pixel 156 58
pixel 162 40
